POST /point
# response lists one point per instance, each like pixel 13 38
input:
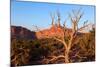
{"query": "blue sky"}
pixel 34 13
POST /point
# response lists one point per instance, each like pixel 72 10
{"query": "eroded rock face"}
pixel 51 32
pixel 19 32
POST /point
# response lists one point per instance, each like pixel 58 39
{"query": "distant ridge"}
pixel 20 32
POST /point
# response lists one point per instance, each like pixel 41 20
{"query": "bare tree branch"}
pixel 83 27
pixel 52 17
pixel 56 57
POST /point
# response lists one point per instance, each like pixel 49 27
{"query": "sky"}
pixel 28 14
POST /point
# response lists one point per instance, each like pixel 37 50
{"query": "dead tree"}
pixel 75 17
